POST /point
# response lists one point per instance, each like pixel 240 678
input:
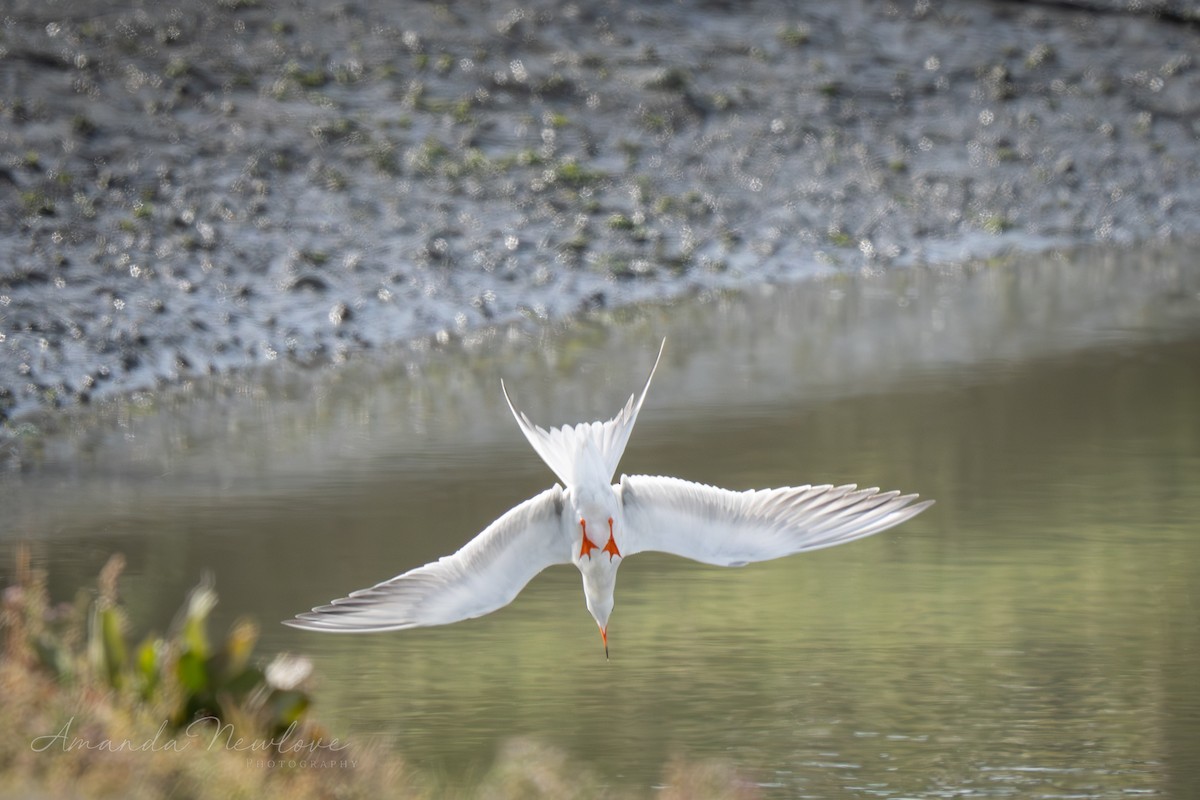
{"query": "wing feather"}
pixel 486 574
pixel 726 528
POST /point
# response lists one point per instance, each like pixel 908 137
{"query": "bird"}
pixel 595 524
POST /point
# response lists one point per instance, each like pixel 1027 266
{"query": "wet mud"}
pixel 205 187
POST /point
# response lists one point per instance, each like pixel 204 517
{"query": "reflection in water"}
pixel 1034 634
pixel 1037 631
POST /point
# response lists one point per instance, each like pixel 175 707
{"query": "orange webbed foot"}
pixel 611 547
pixel 586 548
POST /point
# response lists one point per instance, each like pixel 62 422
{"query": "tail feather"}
pixel 587 451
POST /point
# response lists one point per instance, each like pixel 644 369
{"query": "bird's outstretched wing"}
pixel 718 526
pixel 589 451
pixel 486 574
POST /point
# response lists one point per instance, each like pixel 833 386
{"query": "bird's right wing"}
pixel 486 574
pixel 726 528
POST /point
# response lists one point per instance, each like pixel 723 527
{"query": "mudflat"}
pixel 207 186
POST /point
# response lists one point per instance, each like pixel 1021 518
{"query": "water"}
pixel 1035 634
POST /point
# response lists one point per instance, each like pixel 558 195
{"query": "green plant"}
pixel 184 676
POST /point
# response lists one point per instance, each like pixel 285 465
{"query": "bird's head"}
pixel 598 590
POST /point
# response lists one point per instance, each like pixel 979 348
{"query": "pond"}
pixel 1035 634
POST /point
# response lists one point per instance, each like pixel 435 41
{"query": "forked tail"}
pixel 589 451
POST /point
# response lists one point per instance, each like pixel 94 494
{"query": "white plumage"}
pixel 596 524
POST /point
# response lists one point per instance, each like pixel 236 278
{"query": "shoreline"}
pixel 273 428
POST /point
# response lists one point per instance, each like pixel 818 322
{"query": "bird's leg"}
pixel 588 545
pixel 611 547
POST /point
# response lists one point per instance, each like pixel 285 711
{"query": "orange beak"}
pixel 604 636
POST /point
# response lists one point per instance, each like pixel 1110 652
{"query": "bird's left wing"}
pixel 486 574
pixel 718 526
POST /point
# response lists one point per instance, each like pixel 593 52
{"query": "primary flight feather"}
pixel 596 524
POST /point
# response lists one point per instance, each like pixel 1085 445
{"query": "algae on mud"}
pixel 206 187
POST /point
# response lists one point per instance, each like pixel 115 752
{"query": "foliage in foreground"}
pixel 87 714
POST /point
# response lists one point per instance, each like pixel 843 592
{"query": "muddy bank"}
pixel 282 430
pixel 220 185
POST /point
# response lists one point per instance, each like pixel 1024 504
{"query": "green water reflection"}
pixel 1035 634
pixel 1036 631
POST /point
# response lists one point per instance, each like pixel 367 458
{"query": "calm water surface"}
pixel 1035 634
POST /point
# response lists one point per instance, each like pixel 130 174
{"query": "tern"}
pixel 596 524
